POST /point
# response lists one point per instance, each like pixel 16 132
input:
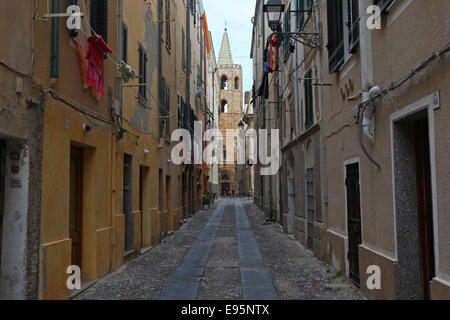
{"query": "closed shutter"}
pixel 300 15
pixel 309 110
pixel 99 17
pixel 183 48
pixel 142 74
pixel 335 35
pixel 168 22
pixel 125 43
pixel 287 28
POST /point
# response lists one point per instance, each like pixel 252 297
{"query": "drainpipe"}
pixel 54 72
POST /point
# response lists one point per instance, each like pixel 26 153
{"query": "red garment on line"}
pixel 272 44
pixel 95 54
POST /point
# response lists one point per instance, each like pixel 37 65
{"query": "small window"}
pixel 142 74
pixel 224 83
pixel 224 107
pixel 236 83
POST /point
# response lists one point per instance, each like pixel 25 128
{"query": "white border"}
pixel 346 163
pixel 425 103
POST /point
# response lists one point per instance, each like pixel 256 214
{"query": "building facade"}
pixel 363 139
pixel 81 147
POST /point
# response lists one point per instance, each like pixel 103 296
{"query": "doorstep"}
pixel 144 250
pixel 86 284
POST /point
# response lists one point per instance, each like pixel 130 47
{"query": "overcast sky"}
pixel 237 14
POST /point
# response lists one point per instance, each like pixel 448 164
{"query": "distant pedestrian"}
pixel 232 190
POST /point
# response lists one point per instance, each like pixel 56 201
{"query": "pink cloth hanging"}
pixel 96 56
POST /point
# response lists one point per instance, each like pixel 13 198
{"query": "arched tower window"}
pixel 236 83
pixel 224 106
pixel 225 177
pixel 224 83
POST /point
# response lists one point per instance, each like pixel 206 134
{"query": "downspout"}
pixel 54 70
pixel 188 94
pixel 160 18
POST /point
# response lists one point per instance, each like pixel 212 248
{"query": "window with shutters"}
pixel 99 18
pixel 183 48
pixel 335 44
pixel 287 28
pixel 343 31
pixel 167 112
pixel 383 4
pixel 142 75
pixel 124 43
pixel 309 105
pixel 353 24
pixel 301 16
pixel 168 39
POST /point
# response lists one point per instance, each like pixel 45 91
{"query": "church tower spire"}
pixel 225 57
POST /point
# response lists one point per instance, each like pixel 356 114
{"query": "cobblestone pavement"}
pixel 225 253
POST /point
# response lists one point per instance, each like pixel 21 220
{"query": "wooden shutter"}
pixel 183 48
pixel 309 110
pixel 300 15
pixel 142 74
pixel 353 24
pixel 125 43
pixel 383 4
pixel 168 22
pixel 335 35
pixel 287 28
pixel 99 17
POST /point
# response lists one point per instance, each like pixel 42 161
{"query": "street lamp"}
pixel 274 8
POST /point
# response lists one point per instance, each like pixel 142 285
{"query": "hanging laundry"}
pixel 127 72
pixel 267 62
pixel 76 44
pixel 272 44
pixel 96 57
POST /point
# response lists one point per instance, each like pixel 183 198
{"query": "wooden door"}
pixel 424 205
pixel 2 189
pixel 76 204
pixel 127 203
pixel 353 220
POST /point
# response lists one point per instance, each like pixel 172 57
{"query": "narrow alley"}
pixel 225 253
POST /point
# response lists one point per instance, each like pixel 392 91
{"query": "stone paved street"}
pixel 225 253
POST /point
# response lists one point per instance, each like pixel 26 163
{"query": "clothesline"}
pixel 117 64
